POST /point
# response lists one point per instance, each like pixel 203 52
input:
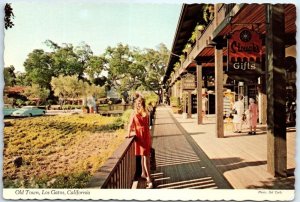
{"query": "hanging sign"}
pixel 188 82
pixel 244 52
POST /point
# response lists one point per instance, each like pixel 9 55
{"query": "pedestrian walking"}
pixel 238 109
pixel 139 122
pixel 204 105
pixel 253 111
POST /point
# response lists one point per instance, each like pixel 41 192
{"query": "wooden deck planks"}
pixel 178 166
pixel 241 158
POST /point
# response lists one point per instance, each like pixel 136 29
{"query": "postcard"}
pixel 149 101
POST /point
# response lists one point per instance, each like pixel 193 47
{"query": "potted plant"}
pixel 176 106
pixel 208 13
pixel 187 49
pixel 182 58
pixel 201 28
pixel 196 33
pixel 176 66
pixel 193 37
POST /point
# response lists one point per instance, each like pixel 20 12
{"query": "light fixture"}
pixel 210 42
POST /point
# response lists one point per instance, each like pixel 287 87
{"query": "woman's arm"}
pixel 130 125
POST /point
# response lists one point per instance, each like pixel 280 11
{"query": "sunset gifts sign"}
pixel 244 52
pixel 188 82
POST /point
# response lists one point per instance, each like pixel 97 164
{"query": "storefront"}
pixel 246 49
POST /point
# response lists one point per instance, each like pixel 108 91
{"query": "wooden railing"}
pixel 119 170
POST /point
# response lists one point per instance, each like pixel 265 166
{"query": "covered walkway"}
pixel 190 156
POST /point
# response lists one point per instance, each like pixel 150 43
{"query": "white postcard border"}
pixel 147 194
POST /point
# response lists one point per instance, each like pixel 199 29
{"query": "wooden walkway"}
pixel 180 161
pixel 190 156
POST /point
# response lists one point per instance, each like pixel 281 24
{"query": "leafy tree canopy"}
pixel 126 68
pixel 38 67
pixel 132 68
pixel 71 87
pixel 65 59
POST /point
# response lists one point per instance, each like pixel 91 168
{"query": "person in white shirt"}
pixel 238 106
pixel 204 105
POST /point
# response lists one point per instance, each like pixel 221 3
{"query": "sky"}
pixel 99 24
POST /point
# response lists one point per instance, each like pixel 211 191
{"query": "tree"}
pixel 154 63
pixel 58 86
pixel 127 68
pixel 100 81
pixel 68 60
pixel 130 69
pixel 123 71
pixel 71 87
pixel 41 66
pixel 22 79
pixel 38 67
pixel 8 16
pixel 9 76
pixel 94 67
pixel 36 92
pixel 96 91
pixel 84 54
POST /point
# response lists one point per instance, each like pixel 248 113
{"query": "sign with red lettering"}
pixel 244 52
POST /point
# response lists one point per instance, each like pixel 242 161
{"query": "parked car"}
pixel 28 111
pixel 8 110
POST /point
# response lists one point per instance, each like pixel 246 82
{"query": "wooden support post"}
pixel 275 54
pixel 189 114
pixel 262 108
pixel 199 93
pixel 219 90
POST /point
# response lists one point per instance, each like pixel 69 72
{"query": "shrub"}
pixel 151 98
pixel 126 116
pixel 50 151
pixel 175 101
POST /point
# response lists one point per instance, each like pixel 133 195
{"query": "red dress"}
pixel 253 114
pixel 143 140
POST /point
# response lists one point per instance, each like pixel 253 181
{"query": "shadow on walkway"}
pixel 180 164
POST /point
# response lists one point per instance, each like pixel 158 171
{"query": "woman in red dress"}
pixel 139 122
